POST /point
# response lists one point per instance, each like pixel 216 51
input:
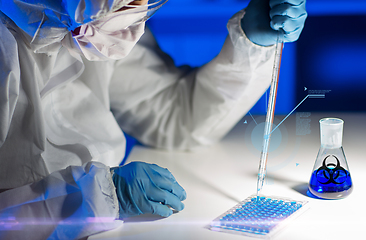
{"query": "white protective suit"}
pixel 58 109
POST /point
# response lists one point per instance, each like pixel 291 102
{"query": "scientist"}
pixel 76 74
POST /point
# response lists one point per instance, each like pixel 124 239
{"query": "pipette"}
pixel 269 118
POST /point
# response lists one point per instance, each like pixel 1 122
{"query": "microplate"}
pixel 260 218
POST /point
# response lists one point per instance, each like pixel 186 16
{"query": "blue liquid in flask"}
pixel 331 178
pixel 331 183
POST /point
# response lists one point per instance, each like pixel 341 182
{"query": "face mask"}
pixel 111 37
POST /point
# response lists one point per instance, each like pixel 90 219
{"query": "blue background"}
pixel 330 54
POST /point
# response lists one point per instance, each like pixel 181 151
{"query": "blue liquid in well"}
pixel 331 184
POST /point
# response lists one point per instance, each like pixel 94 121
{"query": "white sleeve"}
pixel 180 108
pixel 73 203
pixel 10 75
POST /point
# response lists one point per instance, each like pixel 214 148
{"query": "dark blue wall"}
pixel 332 55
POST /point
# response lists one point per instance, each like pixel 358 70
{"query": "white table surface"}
pixel 218 177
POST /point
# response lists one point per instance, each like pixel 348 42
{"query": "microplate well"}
pixel 261 218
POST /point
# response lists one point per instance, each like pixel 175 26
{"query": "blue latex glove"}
pixel 264 19
pixel 146 188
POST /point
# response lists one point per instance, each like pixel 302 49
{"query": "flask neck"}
pixel 331 133
pixel 332 146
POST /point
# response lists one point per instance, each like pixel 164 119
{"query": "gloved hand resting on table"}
pixel 146 188
pixel 264 19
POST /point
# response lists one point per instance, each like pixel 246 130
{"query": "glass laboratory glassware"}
pixel 330 178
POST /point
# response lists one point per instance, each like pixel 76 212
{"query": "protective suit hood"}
pixel 48 21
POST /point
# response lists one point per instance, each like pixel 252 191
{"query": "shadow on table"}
pixel 302 188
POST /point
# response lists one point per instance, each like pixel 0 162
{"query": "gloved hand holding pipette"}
pixel 266 19
pixel 269 22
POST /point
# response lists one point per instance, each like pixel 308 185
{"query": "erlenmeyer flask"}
pixel 330 177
